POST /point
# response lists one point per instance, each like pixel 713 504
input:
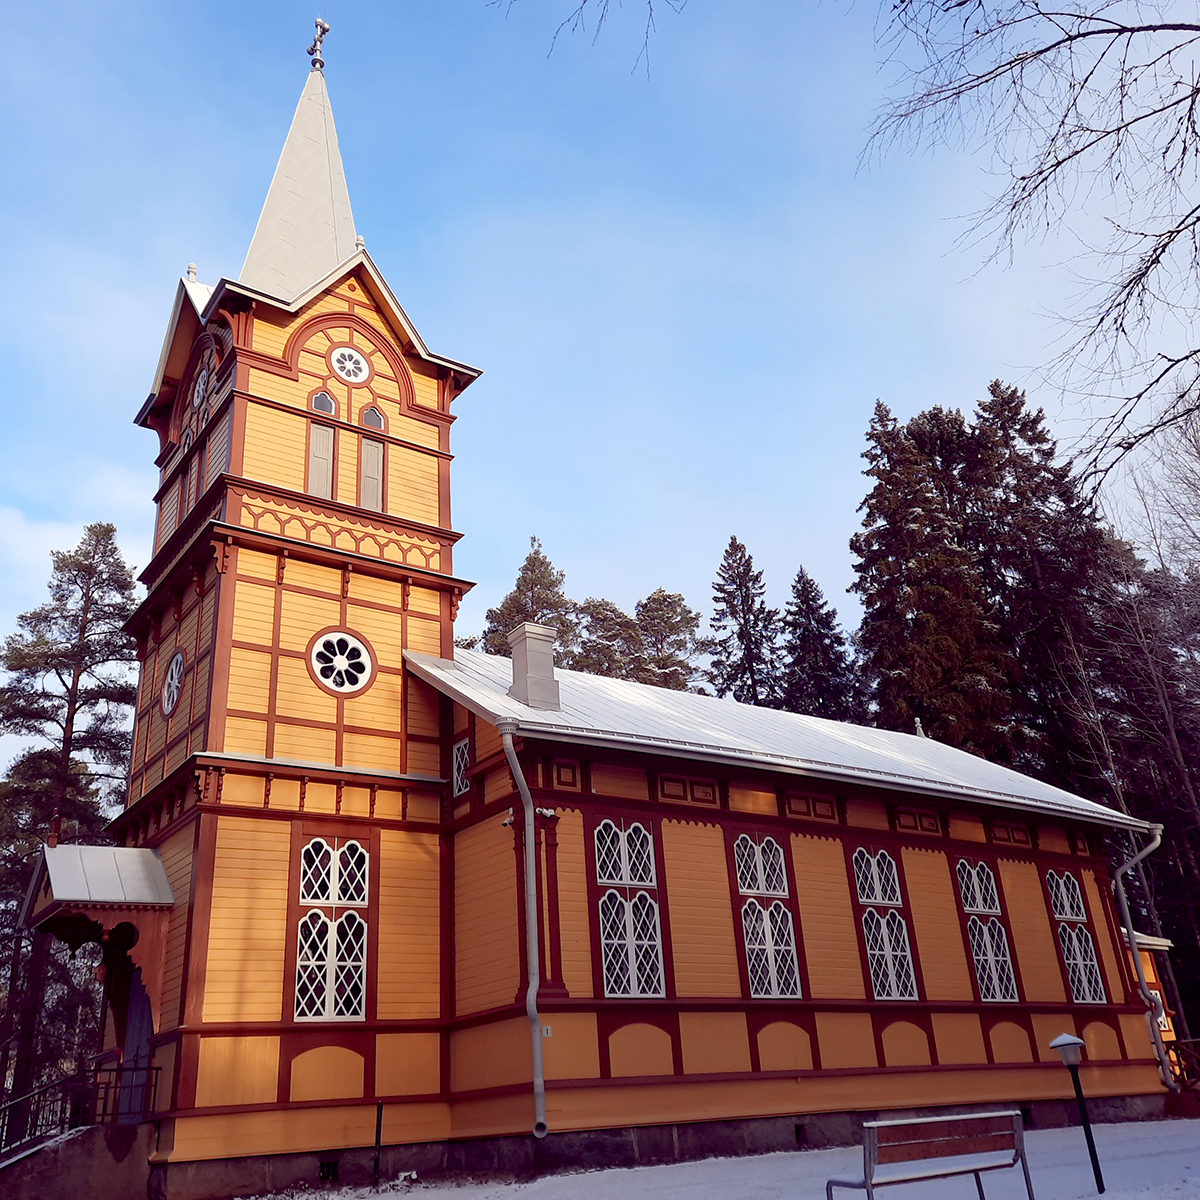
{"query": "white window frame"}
pixel 977 887
pixel 460 762
pixel 1066 896
pixel 993 960
pixel 338 896
pixel 877 878
pixel 760 866
pixel 630 922
pixel 769 937
pixel 889 954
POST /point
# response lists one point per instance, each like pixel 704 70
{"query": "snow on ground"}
pixel 1139 1159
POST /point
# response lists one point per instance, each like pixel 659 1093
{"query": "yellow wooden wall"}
pixel 485 917
pixel 409 971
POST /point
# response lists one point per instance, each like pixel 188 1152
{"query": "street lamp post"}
pixel 1069 1048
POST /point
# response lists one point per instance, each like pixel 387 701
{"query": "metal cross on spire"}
pixel 314 51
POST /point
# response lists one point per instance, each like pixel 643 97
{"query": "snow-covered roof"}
pixel 99 876
pixel 613 712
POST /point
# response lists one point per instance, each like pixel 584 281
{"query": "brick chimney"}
pixel 533 666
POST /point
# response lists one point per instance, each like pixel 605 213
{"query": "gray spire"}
pixel 306 228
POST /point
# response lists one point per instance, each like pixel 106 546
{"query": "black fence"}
pixel 1185 1062
pixel 122 1095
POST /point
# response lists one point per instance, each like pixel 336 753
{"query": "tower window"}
pixel 370 487
pixel 373 418
pixel 323 402
pixel 320 461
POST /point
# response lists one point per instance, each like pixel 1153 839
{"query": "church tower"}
pixel 303 542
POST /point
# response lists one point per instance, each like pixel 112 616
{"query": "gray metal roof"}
pixel 599 711
pixel 306 228
pixel 121 876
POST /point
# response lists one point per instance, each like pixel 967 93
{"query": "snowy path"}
pixel 1140 1159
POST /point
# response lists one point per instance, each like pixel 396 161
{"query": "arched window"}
pixel 331 950
pixel 876 878
pixel 889 955
pixel 1065 896
pixel 770 949
pixel 372 418
pixel 760 867
pixel 993 962
pixel 1078 948
pixel 323 402
pixel 630 929
pixel 977 886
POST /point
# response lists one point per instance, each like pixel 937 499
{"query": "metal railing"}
pixel 1185 1062
pixel 94 1096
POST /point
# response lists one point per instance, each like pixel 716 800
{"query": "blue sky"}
pixel 686 292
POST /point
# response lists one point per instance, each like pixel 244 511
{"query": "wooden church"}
pixel 373 891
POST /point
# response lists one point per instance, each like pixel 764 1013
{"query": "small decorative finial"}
pixel 360 242
pixel 191 272
pixel 920 727
pixel 55 830
pixel 314 51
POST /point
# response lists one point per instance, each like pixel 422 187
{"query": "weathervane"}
pixel 314 51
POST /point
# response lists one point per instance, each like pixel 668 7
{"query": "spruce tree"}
pixel 819 678
pixel 927 639
pixel 745 652
pixel 671 641
pixel 69 690
pixel 536 596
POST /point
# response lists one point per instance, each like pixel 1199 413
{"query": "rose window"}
pixel 341 662
pixel 172 686
pixel 350 365
pixel 200 388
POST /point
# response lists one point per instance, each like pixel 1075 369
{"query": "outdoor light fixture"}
pixel 1070 1048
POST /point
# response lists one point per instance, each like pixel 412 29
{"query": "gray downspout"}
pixel 1152 1002
pixel 532 940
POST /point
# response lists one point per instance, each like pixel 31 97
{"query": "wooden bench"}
pixel 938 1148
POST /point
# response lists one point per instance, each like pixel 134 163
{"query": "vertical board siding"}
pixel 938 933
pixel 701 910
pixel 573 916
pixel 827 919
pixel 176 854
pixel 485 917
pixel 409 926
pixel 247 932
pixel 1033 939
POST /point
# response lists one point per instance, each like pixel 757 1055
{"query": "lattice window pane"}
pixel 1072 899
pixel 316 870
pixel 312 966
pixel 903 975
pixel 460 761
pixel 639 855
pixel 352 874
pixel 985 882
pixel 614 944
pixel 774 875
pixel 864 877
pixel 1083 971
pixel 1002 968
pixel 888 879
pixel 758 961
pixel 746 861
pixel 966 886
pixel 783 946
pixel 608 853
pixel 647 944
pixel 350 975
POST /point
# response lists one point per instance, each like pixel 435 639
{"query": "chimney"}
pixel 533 665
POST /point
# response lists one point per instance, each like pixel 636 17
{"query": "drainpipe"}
pixel 1152 1002
pixel 532 940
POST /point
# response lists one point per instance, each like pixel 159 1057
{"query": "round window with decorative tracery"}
pixel 349 364
pixel 172 687
pixel 200 388
pixel 341 661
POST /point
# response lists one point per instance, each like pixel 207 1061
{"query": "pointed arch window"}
pixel 1075 939
pixel 323 402
pixel 768 928
pixel 331 949
pixel 986 932
pixel 628 912
pixel 885 930
pixel 373 418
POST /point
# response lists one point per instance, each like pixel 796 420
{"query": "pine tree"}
pixel 671 640
pixel 927 640
pixel 818 675
pixel 745 651
pixel 610 642
pixel 69 689
pixel 536 596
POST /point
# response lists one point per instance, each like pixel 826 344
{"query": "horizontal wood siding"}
pixel 1104 941
pixel 413 485
pixel 409 926
pixel 827 919
pixel 486 934
pixel 246 941
pixel 176 853
pixel 573 904
pixel 697 890
pixel 274 450
pixel 936 926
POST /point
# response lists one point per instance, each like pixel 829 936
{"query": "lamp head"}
pixel 1069 1048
